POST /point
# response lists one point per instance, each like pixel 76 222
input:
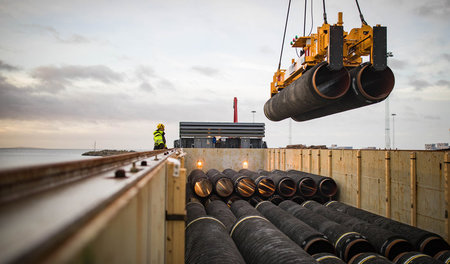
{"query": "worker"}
pixel 159 138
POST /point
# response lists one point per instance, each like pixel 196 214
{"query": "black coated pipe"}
pixel 222 212
pixel 443 256
pixel 285 185
pixel 275 199
pixel 261 242
pixel 327 258
pixel 232 199
pixel 243 185
pixel 207 240
pixel 326 185
pixel 415 258
pixel 369 258
pixel 368 86
pixel 265 187
pixel 200 183
pixel 387 243
pixel 311 240
pixel 346 242
pixel 297 199
pixel 306 186
pixel 317 87
pixel 422 240
pixel 223 185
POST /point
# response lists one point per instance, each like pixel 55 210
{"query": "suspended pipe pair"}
pixel 347 242
pixel 423 241
pixel 265 187
pixel 311 240
pixel 243 185
pixel 387 243
pixel 199 183
pixel 285 186
pixel 259 241
pixel 321 91
pixel 207 240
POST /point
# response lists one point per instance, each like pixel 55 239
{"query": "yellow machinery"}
pixel 339 48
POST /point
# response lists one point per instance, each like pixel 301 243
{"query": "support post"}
pixel 413 174
pixel 310 161
pixel 447 193
pixel 388 183
pixel 318 162
pixel 358 179
pixel 284 159
pixel 175 214
pixel 330 156
pixel 301 160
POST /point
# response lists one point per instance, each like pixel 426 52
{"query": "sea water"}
pixel 20 157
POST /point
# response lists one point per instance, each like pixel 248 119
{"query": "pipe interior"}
pixel 224 187
pixel 319 246
pixel 307 187
pixel 266 187
pixel 203 187
pixel 397 248
pixel 376 84
pixel 287 187
pixel 328 187
pixel 357 246
pixel 331 84
pixel 246 187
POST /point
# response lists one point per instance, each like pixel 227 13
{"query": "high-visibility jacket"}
pixel 158 137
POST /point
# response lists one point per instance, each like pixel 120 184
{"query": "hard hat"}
pixel 160 126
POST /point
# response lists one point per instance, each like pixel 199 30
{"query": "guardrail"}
pixel 122 209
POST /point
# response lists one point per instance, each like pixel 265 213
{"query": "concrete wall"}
pixel 411 187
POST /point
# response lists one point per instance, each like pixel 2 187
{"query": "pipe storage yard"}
pixel 240 206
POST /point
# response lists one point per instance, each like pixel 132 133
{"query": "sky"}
pixel 77 72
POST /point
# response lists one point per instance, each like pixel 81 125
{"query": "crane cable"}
pixel 325 13
pixel 360 13
pixel 284 34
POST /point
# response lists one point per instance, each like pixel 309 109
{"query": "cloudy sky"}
pixel 77 72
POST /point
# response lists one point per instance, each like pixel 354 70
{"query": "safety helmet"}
pixel 160 126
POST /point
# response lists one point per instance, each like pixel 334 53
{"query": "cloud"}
pixel 72 39
pixel 144 72
pixel 443 83
pixel 208 71
pixel 419 84
pixel 434 9
pixel 57 78
pixel 7 67
pixel 432 117
pixel 145 86
pixel 446 56
pixel 397 64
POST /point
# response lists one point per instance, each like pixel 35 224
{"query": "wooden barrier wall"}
pixel 408 186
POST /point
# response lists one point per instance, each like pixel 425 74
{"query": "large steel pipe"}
pixel 222 212
pixel 243 185
pixel 223 186
pixel 265 187
pixel 368 86
pixel 387 243
pixel 346 242
pixel 285 185
pixel 369 258
pixel 424 241
pixel 311 240
pixel 443 256
pixel 327 258
pixel 207 240
pixel 306 186
pixel 415 258
pixel 326 185
pixel 200 183
pixel 259 241
pixel 317 87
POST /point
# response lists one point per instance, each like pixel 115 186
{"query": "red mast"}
pixel 235 110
